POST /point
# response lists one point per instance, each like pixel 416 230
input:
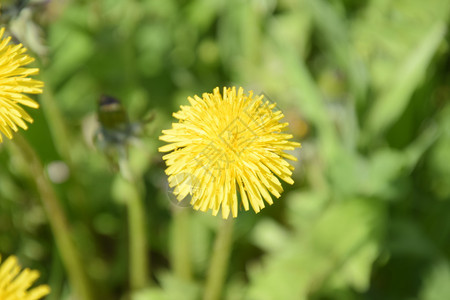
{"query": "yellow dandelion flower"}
pixel 228 145
pixel 14 81
pixel 14 283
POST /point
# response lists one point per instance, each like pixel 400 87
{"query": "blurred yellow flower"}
pixel 228 145
pixel 14 82
pixel 14 283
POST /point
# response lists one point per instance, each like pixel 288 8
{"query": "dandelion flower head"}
pixel 225 147
pixel 14 283
pixel 14 84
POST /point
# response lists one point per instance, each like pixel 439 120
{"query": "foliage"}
pixel 363 84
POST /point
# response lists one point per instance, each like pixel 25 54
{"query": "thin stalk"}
pixel 181 244
pixel 57 125
pixel 138 245
pixel 56 280
pixel 58 222
pixel 61 140
pixel 218 266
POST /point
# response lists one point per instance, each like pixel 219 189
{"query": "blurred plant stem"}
pixel 138 245
pixel 60 138
pixel 219 261
pixel 58 221
pixel 57 126
pixel 181 254
pixel 56 277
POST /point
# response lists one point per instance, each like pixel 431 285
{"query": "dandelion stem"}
pixel 58 128
pixel 58 222
pixel 138 245
pixel 61 140
pixel 219 261
pixel 181 256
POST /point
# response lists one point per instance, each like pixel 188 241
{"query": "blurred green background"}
pixel 365 86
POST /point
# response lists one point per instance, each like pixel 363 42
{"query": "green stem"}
pixel 61 140
pixel 57 126
pixel 58 222
pixel 138 246
pixel 181 254
pixel 219 261
pixel 56 280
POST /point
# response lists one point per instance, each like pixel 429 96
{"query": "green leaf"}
pixel 176 288
pixel 392 101
pixel 338 250
pixel 436 285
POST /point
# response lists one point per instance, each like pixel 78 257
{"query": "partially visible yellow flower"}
pixel 14 82
pixel 228 145
pixel 14 283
